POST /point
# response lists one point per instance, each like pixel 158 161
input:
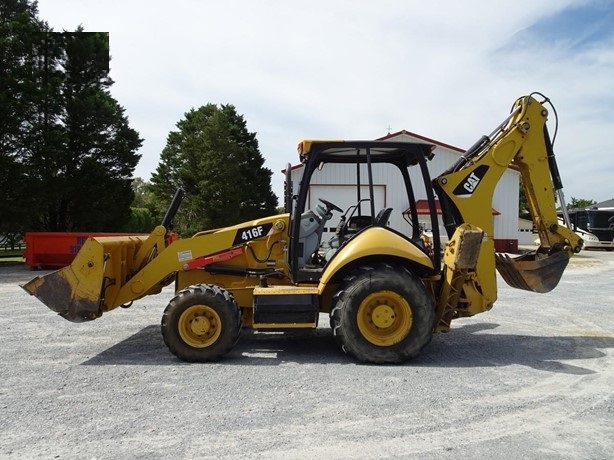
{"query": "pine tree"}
pixel 44 135
pixel 100 151
pixel 67 152
pixel 20 32
pixel 216 160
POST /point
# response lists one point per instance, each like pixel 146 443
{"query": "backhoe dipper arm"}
pixel 466 191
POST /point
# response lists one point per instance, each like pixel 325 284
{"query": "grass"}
pixel 11 257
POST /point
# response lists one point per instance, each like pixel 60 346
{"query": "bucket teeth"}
pixel 533 271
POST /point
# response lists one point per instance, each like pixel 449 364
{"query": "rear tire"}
pixel 201 323
pixel 382 314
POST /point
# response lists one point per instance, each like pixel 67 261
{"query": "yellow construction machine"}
pixel 386 291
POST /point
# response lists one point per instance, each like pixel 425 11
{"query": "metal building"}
pixel 336 184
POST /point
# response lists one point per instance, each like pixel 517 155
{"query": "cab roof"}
pixel 332 151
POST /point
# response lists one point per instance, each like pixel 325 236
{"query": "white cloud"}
pixel 346 69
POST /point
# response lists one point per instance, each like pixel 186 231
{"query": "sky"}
pixel 337 69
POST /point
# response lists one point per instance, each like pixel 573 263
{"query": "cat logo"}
pixel 471 182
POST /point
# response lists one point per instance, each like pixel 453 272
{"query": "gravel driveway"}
pixel 533 378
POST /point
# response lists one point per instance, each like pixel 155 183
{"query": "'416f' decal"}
pixel 246 234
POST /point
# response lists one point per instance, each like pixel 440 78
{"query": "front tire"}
pixel 382 314
pixel 201 323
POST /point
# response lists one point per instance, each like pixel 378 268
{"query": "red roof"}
pixel 422 208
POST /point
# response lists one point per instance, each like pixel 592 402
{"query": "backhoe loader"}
pixel 385 290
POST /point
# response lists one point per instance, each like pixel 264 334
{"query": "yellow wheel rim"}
pixel 384 318
pixel 200 326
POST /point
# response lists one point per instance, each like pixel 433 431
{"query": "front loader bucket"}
pixel 62 293
pixel 533 271
pixel 76 292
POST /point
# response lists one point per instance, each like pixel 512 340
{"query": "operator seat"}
pixel 381 220
pixel 310 233
pixel 354 225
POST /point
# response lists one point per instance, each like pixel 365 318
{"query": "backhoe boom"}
pixel 466 192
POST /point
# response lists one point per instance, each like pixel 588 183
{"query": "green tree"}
pixel 580 203
pixel 67 153
pixel 143 198
pixel 141 221
pixel 98 158
pixel 20 37
pixel 44 137
pixel 141 215
pixel 216 160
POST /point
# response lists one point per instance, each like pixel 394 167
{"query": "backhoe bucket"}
pixel 77 292
pixel 534 271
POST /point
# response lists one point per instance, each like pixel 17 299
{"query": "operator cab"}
pixel 356 163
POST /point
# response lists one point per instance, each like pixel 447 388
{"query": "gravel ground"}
pixel 532 379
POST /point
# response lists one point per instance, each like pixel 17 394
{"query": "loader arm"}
pixel 466 191
pixel 109 272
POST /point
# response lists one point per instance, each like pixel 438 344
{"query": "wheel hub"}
pixel 200 325
pixel 383 316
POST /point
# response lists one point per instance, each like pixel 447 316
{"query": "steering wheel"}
pixel 329 205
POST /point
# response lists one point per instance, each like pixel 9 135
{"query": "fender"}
pixel 374 241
